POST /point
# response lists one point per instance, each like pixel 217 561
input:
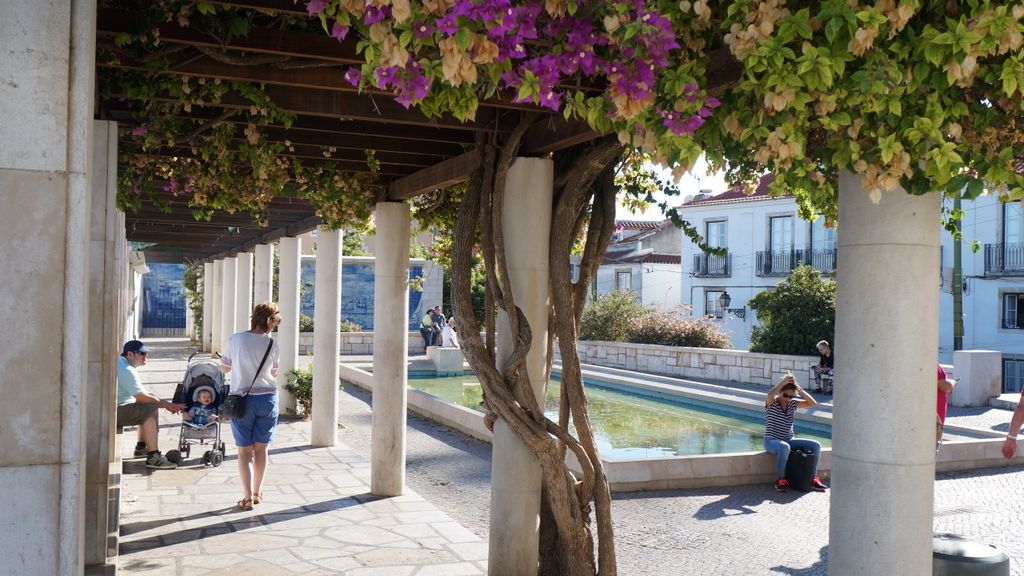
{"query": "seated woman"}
pixel 448 338
pixel 779 413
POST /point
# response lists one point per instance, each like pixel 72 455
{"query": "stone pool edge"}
pixel 683 472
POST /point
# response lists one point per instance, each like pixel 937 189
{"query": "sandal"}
pixel 257 498
pixel 245 504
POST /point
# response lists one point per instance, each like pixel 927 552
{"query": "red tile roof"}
pixel 737 195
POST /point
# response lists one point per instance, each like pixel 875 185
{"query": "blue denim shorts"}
pixel 259 422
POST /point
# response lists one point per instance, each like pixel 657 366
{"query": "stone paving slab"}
pixel 317 517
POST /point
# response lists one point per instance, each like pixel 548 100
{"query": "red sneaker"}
pixel 817 485
pixel 781 485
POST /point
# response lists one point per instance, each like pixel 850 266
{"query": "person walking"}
pixel 251 358
pixel 780 407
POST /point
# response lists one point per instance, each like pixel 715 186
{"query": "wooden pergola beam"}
pixel 441 175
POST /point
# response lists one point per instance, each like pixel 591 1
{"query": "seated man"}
pixel 136 407
pixel 824 367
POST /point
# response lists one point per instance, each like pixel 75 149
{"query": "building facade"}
pixel 642 258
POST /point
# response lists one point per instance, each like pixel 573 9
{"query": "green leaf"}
pixel 462 38
pixel 1009 78
pixel 974 189
pixel 206 8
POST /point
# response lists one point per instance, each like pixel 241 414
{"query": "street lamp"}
pixel 723 302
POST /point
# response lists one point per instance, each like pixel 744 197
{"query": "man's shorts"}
pixel 259 422
pixel 134 413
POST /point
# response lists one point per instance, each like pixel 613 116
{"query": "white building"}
pixel 765 239
pixel 643 258
pixel 993 285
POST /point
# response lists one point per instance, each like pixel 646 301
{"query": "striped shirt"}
pixel 778 422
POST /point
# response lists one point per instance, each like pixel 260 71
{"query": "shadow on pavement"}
pixel 819 568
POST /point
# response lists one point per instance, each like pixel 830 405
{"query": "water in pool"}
pixel 629 427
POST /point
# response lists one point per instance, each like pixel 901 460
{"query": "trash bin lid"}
pixel 967 551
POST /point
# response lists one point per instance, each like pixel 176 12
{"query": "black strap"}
pixel 258 370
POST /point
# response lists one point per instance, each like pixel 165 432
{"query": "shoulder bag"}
pixel 234 404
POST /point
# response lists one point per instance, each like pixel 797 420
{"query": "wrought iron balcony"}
pixel 1004 259
pixel 711 266
pixel 822 259
pixel 778 262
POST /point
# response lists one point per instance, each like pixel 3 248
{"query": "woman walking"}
pixel 251 357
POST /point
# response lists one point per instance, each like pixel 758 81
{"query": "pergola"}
pixel 65 263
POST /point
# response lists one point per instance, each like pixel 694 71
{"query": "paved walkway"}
pixel 318 516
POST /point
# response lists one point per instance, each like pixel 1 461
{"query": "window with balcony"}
pixel 780 258
pixel 706 265
pixel 822 254
pixel 1007 258
pixel 1013 311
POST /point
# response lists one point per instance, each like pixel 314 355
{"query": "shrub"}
pixel 607 318
pixel 349 326
pixel 796 314
pixel 672 328
pixel 300 385
pixel 305 323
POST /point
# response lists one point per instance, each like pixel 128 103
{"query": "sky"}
pixel 691 183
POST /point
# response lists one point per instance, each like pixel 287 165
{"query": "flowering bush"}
pixel 676 328
pixel 607 318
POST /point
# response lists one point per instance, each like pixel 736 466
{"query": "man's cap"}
pixel 134 346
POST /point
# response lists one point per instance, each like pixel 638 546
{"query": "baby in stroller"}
pixel 201 391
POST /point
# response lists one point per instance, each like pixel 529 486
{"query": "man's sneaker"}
pixel 781 485
pixel 160 462
pixel 141 452
pixel 817 485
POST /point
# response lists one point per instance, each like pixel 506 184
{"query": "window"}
pixel 1013 375
pixel 1013 223
pixel 781 233
pixel 1013 310
pixel 711 307
pixel 715 234
pixel 624 281
pixel 822 238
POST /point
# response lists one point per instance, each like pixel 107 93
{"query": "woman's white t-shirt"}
pixel 448 338
pixel 243 354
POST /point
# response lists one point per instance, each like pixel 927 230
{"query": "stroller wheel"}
pixel 174 456
pixel 206 458
pixel 216 458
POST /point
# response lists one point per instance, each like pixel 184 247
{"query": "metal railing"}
pixel 1004 259
pixel 822 259
pixel 712 266
pixel 777 262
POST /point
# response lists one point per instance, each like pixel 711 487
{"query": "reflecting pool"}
pixel 631 426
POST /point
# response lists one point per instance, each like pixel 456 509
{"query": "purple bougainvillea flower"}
pixel 423 30
pixel 139 131
pixel 551 99
pixel 712 102
pixel 315 7
pixel 354 76
pixel 339 32
pixel 448 24
pixel 374 15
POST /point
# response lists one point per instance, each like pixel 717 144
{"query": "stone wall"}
pixel 357 343
pixel 701 363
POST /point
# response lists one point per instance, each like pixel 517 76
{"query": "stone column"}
pixel 217 307
pixel 883 430
pixel 327 317
pixel 290 250
pixel 263 278
pixel 46 101
pixel 515 473
pixel 243 284
pixel 229 296
pixel 106 270
pixel 207 306
pixel 390 348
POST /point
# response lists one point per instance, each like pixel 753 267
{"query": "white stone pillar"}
pixel 46 102
pixel 263 277
pixel 229 297
pixel 243 284
pixel 217 308
pixel 326 339
pixel 290 251
pixel 515 473
pixel 883 430
pixel 207 306
pixel 390 348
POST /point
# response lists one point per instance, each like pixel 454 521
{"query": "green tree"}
pixel 796 314
pixel 352 244
pixel 607 318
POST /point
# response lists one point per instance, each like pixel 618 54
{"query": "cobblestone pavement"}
pixel 728 531
pixel 317 516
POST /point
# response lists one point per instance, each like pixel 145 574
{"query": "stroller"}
pixel 204 375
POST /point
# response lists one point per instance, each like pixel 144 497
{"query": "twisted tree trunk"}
pixel 584 188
